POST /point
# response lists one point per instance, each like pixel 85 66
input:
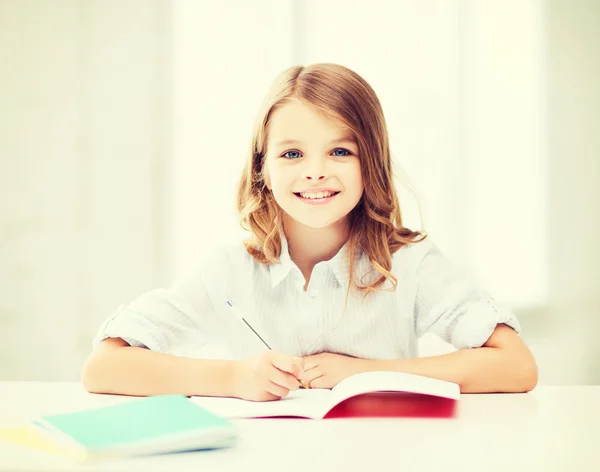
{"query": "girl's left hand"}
pixel 326 370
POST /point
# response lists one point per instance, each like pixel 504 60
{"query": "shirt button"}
pixel 313 293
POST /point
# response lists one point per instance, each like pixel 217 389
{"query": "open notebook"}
pixel 373 394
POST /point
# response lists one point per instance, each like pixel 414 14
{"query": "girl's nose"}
pixel 315 176
pixel 315 170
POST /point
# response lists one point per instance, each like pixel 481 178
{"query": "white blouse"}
pixel 191 318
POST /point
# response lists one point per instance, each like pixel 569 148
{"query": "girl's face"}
pixel 312 165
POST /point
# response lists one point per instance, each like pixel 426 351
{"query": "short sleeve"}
pixel 450 304
pixel 178 320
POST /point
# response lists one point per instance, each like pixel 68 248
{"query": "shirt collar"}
pixel 338 264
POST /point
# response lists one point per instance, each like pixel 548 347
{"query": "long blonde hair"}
pixel 376 221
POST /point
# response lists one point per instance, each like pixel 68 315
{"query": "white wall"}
pixel 83 98
pixel 573 136
pixel 502 147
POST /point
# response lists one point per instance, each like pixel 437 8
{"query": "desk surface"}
pixel 550 428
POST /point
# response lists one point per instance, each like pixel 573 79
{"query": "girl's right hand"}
pixel 268 376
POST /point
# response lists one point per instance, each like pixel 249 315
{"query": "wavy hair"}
pixel 376 221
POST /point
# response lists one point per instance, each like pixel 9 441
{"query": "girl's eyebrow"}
pixel 343 139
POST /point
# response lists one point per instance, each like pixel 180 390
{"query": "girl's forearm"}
pixel 476 370
pixel 136 371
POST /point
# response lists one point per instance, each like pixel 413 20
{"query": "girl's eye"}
pixel 347 153
pixel 294 154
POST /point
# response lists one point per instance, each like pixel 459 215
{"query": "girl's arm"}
pixel 118 368
pixel 503 364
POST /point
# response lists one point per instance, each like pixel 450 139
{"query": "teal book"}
pixel 150 425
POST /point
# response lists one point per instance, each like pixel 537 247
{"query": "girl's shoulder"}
pixel 412 254
pixel 229 256
pixel 405 262
pixel 220 267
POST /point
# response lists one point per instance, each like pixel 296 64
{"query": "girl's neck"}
pixel 308 246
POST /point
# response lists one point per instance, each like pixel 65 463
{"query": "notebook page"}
pixel 301 403
pixel 381 381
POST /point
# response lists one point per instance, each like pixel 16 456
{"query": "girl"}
pixel 330 279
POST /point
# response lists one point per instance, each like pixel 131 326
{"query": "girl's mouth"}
pixel 316 201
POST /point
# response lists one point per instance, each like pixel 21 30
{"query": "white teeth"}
pixel 316 195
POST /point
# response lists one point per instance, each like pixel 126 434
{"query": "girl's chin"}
pixel 313 223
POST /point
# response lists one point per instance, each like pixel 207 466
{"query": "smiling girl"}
pixel 330 277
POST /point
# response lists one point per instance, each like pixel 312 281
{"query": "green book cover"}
pixel 162 423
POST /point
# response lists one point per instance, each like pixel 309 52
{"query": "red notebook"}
pixel 368 394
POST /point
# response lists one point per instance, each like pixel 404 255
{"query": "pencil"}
pixel 239 314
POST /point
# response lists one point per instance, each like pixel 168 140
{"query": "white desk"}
pixel 549 429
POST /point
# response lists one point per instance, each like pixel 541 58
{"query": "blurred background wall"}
pixel 124 125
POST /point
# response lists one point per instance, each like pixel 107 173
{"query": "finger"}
pixel 299 363
pixel 318 382
pixel 310 362
pixel 269 397
pixel 311 375
pixel 286 363
pixel 283 379
pixel 277 390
